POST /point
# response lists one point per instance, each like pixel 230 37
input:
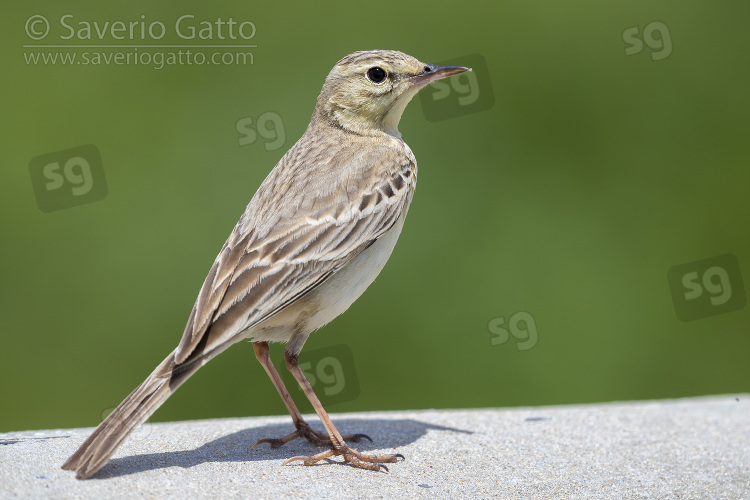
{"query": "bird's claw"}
pixel 274 442
pixel 352 456
pixel 315 437
pixel 356 438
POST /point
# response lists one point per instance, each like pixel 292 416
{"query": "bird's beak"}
pixel 434 72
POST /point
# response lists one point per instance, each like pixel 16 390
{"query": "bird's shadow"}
pixel 235 447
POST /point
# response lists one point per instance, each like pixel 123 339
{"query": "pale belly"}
pixel 319 307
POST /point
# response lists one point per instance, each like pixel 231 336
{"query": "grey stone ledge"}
pixel 686 448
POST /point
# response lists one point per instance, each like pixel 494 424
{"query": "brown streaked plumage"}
pixel 317 232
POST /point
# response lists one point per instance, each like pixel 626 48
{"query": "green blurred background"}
pixel 570 198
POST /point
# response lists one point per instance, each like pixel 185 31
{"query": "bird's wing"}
pixel 259 271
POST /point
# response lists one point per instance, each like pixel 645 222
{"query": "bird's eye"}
pixel 376 74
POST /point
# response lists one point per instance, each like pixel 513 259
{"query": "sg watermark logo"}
pixel 68 178
pixel 330 372
pixel 707 287
pixel 462 94
pixel 655 35
pixel 521 326
pixel 269 126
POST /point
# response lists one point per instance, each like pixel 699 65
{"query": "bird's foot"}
pixel 315 437
pixel 352 456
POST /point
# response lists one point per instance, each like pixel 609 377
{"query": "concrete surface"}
pixel 691 448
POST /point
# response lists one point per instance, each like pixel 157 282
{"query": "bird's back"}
pixel 330 197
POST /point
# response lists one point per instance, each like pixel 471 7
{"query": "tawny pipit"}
pixel 315 235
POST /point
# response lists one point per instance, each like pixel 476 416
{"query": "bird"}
pixel 315 235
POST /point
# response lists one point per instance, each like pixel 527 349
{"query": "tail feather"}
pixel 133 411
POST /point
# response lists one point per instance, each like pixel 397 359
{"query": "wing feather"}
pixel 254 277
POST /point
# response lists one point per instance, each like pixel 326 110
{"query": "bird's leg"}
pixel 338 445
pixel 303 429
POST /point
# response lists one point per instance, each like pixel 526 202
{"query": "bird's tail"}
pixel 136 409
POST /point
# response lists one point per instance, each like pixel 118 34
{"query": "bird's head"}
pixel 366 92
